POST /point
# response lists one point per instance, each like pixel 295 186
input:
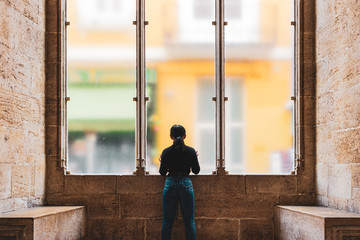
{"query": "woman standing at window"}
pixel 178 160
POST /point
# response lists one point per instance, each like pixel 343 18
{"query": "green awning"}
pixel 101 109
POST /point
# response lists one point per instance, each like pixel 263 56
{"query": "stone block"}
pixel 218 184
pixel 297 199
pixel 20 180
pixel 309 20
pixel 355 177
pixel 12 204
pixel 322 179
pixel 37 89
pixel 347 147
pixel 39 176
pixel 126 229
pixel 256 229
pixel 346 115
pixel 5 179
pixel 235 206
pixel 309 53
pixel 140 184
pixel 325 108
pixel 309 105
pixel 4 150
pixel 75 185
pixel 296 222
pixel 325 144
pixel 205 229
pixel 309 82
pixel 103 206
pixel 133 205
pixel 51 87
pixel 51 141
pixel 52 43
pixel 340 181
pixel 56 183
pixel 45 223
pixel 271 184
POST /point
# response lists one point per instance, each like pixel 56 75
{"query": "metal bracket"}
pixel 67 23
pixel 299 163
pixel 214 23
pixel 67 99
pixel 293 23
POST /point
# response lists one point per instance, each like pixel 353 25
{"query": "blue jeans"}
pixel 178 188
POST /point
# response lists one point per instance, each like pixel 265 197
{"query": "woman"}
pixel 178 160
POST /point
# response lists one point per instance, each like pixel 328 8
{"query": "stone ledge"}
pixel 44 223
pixel 313 222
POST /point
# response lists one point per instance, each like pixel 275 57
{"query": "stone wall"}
pixel 22 109
pixel 226 207
pixel 338 101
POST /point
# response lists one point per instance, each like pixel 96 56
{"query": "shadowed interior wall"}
pixel 22 104
pixel 338 101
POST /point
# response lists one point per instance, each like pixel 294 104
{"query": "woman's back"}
pixel 179 161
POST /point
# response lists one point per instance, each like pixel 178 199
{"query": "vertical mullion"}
pixel 220 86
pixel 140 137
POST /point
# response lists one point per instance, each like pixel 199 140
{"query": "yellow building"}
pixel 180 78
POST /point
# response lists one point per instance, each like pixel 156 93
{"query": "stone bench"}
pixel 43 223
pixel 311 222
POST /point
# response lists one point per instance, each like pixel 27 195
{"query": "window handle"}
pixel 135 99
pixel 214 99
pixel 226 98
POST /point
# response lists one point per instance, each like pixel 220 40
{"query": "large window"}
pixel 221 68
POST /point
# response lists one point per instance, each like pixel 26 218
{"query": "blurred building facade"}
pixel 180 74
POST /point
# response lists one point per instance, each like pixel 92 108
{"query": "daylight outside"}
pixel 180 77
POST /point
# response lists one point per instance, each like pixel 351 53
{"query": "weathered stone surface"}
pixel 44 223
pixel 134 205
pixel 205 229
pixel 256 229
pixel 4 150
pixel 115 229
pixel 5 180
pixel 340 181
pixel 322 174
pixel 337 91
pixel 296 222
pixel 143 184
pixel 75 185
pixel 347 145
pixel 271 184
pixel 20 180
pixel 235 206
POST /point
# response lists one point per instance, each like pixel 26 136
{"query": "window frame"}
pixel 141 98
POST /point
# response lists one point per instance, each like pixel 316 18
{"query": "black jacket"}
pixel 179 162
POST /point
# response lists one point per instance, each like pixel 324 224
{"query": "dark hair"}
pixel 178 132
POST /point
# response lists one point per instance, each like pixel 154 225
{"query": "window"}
pixel 225 72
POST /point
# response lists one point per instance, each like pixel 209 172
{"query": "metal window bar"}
pixel 140 135
pixel 220 87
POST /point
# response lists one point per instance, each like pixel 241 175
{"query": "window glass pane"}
pixel 101 85
pixel 180 54
pixel 259 136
